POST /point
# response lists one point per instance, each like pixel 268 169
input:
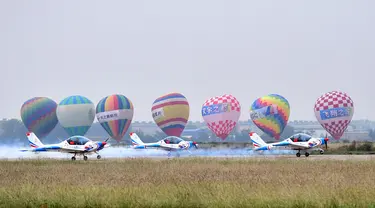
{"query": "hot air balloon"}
pixel 221 114
pixel 171 113
pixel 334 111
pixel 76 114
pixel 115 114
pixel 39 115
pixel 270 114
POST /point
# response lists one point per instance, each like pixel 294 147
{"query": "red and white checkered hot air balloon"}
pixel 334 111
pixel 221 114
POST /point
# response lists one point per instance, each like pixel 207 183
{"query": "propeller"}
pixel 105 144
pixel 195 145
pixel 326 141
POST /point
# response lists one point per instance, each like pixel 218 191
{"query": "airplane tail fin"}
pixel 135 139
pixel 256 140
pixel 34 142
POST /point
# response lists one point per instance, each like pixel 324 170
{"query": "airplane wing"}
pixel 298 146
pixel 72 149
pixel 42 149
pixel 292 145
pixel 169 147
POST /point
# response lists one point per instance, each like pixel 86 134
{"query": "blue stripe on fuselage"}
pixel 281 144
pixel 43 149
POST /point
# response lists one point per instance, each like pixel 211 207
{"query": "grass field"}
pixel 187 183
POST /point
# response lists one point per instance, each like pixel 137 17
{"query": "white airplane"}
pixel 301 142
pixel 170 143
pixel 75 145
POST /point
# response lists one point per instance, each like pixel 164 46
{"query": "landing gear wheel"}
pixel 85 157
pixel 73 158
pixel 98 157
pixel 298 154
pixel 321 152
pixel 307 154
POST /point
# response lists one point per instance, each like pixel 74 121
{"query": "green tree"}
pixel 159 135
pixel 288 131
pixel 203 136
pixel 372 134
pixel 191 126
pixel 13 129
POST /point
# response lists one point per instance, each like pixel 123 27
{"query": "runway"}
pixel 13 153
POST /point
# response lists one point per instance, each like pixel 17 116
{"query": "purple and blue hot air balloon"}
pixel 39 115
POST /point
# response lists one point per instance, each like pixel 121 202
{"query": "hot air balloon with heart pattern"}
pixel 221 113
pixel 270 114
pixel 115 114
pixel 334 111
pixel 171 113
pixel 38 114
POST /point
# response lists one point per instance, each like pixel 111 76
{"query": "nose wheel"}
pixel 169 154
pixel 73 158
pixel 307 154
pixel 85 157
pixel 98 157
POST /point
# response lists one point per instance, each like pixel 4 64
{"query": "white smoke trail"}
pixel 13 152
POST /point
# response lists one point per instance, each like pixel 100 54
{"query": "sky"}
pixel 143 49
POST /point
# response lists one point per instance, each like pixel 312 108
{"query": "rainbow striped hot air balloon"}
pixel 270 113
pixel 115 114
pixel 171 113
pixel 76 114
pixel 39 115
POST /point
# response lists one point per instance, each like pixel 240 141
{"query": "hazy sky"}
pixel 143 49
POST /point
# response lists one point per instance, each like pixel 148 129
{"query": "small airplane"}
pixel 170 143
pixel 301 142
pixel 75 145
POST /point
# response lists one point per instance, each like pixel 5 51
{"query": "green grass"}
pixel 187 183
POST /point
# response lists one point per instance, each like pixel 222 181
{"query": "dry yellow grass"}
pixel 187 183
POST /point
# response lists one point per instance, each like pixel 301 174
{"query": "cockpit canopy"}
pixel 300 137
pixel 172 140
pixel 77 140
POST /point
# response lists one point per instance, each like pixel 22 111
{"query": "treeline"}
pixel 354 146
pixel 13 131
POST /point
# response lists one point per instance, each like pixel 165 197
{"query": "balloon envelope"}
pixel 115 114
pixel 270 113
pixel 76 114
pixel 39 115
pixel 171 113
pixel 221 114
pixel 334 111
